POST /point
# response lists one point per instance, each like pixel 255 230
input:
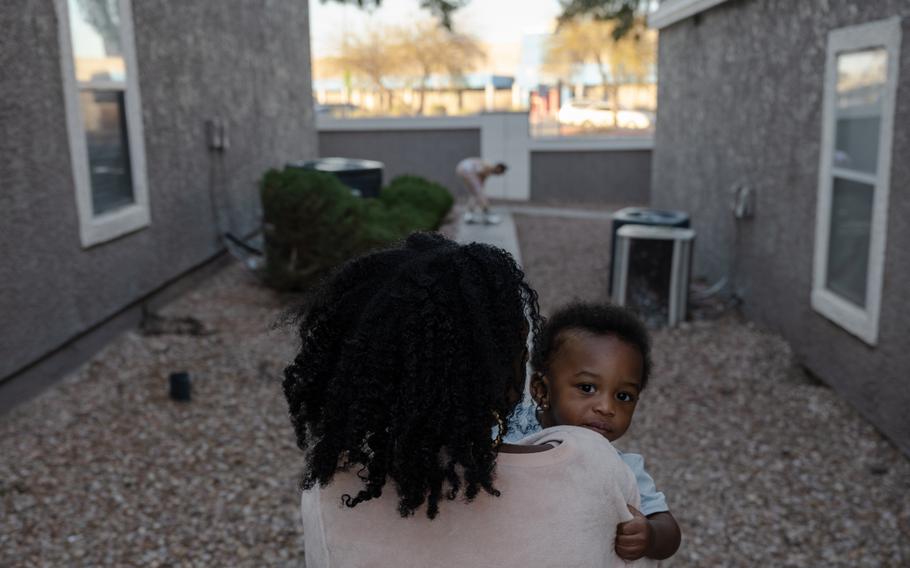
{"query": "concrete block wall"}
pixel 577 170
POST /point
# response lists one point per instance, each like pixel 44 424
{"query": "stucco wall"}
pixel 597 176
pixel 432 154
pixel 740 101
pixel 608 176
pixel 247 63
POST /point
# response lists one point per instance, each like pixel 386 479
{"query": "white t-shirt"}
pixel 471 166
pixel 558 508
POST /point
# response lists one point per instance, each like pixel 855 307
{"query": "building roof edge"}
pixel 672 11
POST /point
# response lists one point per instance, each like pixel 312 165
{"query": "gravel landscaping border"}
pixel 760 464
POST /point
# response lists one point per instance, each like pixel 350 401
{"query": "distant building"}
pixel 473 93
pixel 134 135
pixel 784 130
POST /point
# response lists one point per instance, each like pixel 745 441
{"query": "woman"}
pixel 409 357
pixel 474 173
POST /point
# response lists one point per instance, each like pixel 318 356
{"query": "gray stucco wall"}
pixel 614 176
pixel 740 101
pixel 247 63
pixel 432 154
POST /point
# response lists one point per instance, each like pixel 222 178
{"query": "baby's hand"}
pixel 633 537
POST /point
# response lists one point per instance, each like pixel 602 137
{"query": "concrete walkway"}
pixel 560 212
pixel 502 235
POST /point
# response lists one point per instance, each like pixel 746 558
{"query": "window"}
pixel 103 117
pixel 851 224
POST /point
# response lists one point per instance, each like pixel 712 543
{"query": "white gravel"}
pixel 760 465
pixel 104 469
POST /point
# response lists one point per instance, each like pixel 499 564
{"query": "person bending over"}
pixel 408 358
pixel 474 173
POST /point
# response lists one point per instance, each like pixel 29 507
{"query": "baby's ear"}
pixel 539 391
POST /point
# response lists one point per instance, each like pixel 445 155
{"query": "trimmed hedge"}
pixel 313 222
pixel 425 195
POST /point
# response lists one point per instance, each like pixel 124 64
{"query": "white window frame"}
pixel 861 322
pixel 95 229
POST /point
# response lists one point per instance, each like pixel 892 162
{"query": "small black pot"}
pixel 181 387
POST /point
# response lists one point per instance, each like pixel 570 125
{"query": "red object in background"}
pixel 553 101
pixel 544 102
pixel 534 104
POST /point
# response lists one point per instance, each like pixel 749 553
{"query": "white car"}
pixel 598 114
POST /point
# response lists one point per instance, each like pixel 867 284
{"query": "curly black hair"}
pixel 596 318
pixel 406 354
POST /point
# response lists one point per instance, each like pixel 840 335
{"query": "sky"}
pixel 499 23
pixel 513 31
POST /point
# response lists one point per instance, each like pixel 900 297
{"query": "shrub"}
pixel 420 193
pixel 383 224
pixel 313 222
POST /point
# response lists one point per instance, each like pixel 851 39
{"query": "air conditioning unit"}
pixel 651 275
pixel 642 216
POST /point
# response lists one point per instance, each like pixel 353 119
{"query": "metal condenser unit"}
pixel 652 271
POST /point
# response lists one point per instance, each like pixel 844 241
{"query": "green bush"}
pixel 313 222
pixel 383 224
pixel 421 193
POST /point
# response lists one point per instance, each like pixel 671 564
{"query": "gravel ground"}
pixel 760 465
pixel 104 469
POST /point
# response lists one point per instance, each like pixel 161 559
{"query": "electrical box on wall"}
pixel 217 134
pixel 743 201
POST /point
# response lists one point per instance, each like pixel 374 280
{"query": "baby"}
pixel 590 363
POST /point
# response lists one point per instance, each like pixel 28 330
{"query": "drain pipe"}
pixel 218 143
pixel 743 207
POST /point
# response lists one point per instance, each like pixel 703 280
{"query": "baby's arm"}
pixel 666 535
pixel 656 535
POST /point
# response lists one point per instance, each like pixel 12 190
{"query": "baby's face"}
pixel 594 382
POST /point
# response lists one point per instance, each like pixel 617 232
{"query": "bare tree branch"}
pixel 623 12
pixel 440 9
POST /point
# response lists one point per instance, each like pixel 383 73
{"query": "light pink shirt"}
pixel 559 508
pixel 470 169
pixel 471 166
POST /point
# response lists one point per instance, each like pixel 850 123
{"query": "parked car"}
pixel 336 110
pixel 598 114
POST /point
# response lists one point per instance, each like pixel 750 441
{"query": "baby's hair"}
pixel 594 318
pixel 406 355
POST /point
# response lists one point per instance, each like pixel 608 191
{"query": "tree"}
pixel 440 9
pixel 380 55
pixel 622 11
pixel 374 56
pixel 589 40
pixel 429 49
pixel 104 18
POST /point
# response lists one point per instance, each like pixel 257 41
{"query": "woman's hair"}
pixel 596 318
pixel 406 355
pixel 501 167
